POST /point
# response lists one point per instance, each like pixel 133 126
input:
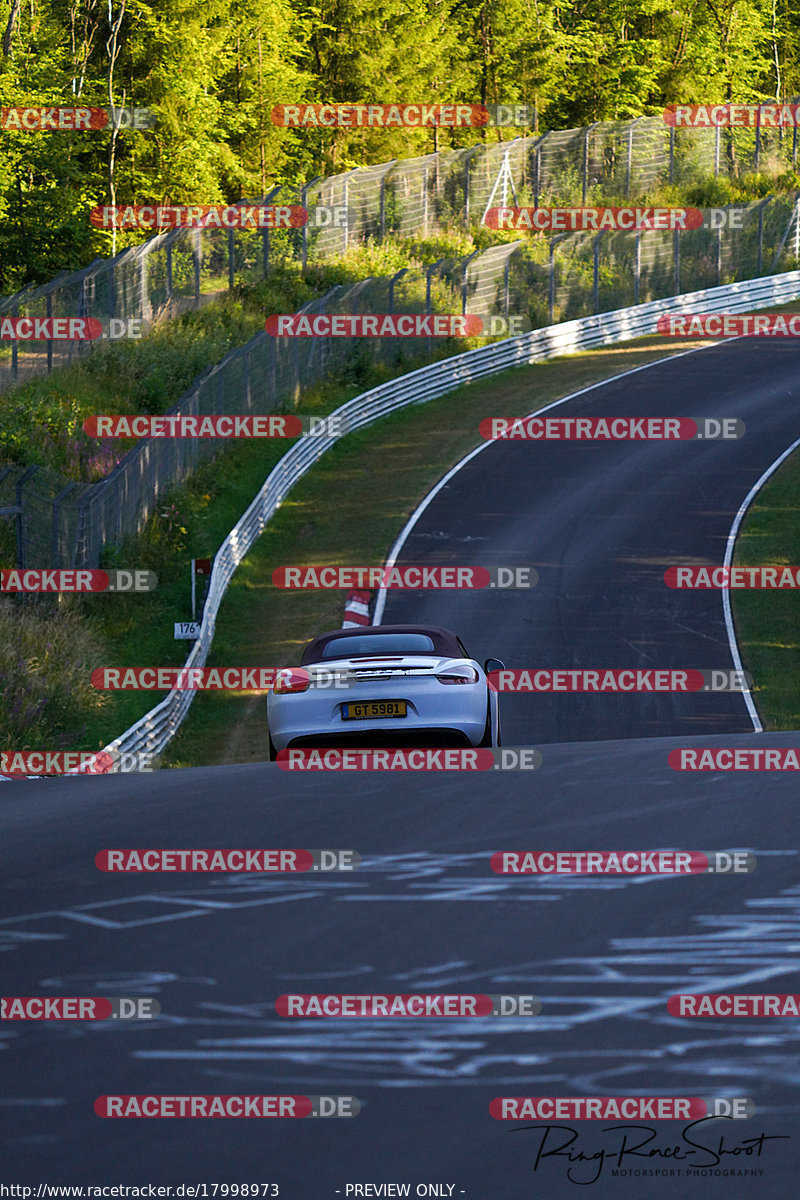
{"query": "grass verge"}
pixel 768 622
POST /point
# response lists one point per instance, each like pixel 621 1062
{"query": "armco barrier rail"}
pixel 153 732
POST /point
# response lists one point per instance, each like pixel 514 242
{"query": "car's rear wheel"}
pixel 490 737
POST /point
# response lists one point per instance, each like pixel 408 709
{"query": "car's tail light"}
pixel 291 679
pixel 459 674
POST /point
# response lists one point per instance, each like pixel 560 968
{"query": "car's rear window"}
pixel 377 643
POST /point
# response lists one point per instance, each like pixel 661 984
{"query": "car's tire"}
pixel 272 752
pixel 486 740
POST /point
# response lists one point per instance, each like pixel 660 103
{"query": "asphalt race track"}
pixel 602 521
pixel 425 911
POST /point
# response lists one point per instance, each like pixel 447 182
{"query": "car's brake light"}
pixel 291 679
pixel 459 674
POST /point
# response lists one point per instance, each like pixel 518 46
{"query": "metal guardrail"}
pixel 153 732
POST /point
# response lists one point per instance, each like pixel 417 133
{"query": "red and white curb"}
pixel 356 609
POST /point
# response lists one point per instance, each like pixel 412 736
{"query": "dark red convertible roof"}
pixel 445 642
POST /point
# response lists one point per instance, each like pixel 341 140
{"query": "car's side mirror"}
pixel 493 664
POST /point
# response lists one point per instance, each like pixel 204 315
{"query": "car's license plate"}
pixel 370 709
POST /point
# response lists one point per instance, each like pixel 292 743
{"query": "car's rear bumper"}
pixel 314 718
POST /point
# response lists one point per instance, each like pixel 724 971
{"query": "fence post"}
pixel 672 153
pixel 716 150
pixel 596 273
pixel 425 200
pixel 637 266
pixel 551 290
pixel 757 158
pixel 55 556
pixel 169 272
pixel 14 352
pixel 231 257
pixel 392 282
pixel 719 252
pixel 676 254
pixel 303 197
pixel 22 549
pixel 467 161
pixel 761 208
pixel 265 234
pixel 49 340
pixel 586 136
pixel 464 269
pixel 196 257
pixel 629 163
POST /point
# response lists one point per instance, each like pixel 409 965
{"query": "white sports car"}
pixel 384 685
